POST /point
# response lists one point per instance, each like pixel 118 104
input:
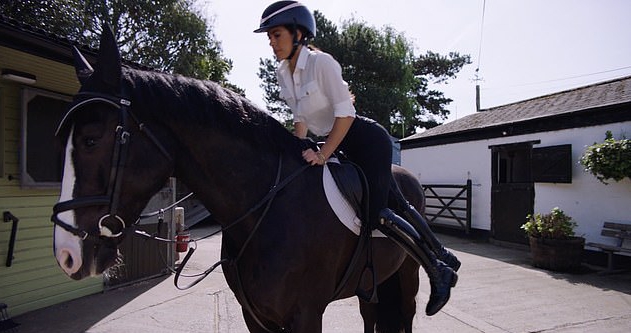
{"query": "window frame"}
pixel 27 95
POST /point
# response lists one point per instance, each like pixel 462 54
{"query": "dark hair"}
pixel 293 28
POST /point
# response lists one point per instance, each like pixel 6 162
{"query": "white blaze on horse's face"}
pixel 67 246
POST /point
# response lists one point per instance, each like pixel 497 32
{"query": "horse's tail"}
pixel 389 312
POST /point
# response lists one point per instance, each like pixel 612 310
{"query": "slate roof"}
pixel 17 35
pixel 588 97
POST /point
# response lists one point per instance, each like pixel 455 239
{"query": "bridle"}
pixel 111 225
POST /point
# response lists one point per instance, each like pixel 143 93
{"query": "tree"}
pixel 271 89
pixel 390 84
pixel 167 35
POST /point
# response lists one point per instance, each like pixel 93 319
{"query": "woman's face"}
pixel 281 41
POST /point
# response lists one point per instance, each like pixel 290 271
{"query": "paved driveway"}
pixel 498 291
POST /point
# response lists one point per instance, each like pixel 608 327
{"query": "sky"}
pixel 523 49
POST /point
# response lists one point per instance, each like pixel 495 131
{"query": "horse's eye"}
pixel 90 142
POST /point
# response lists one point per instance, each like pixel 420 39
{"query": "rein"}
pixel 265 201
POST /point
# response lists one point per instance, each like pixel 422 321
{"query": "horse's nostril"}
pixel 69 261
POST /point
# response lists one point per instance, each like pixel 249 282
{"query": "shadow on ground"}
pixel 91 309
pixel 520 255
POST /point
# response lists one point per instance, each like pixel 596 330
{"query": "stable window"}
pixel 41 155
pixel 511 163
pixel 552 164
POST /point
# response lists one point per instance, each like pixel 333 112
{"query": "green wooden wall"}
pixel 34 280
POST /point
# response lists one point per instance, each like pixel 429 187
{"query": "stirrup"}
pixel 368 296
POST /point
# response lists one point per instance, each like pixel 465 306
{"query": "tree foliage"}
pixel 390 83
pixel 168 35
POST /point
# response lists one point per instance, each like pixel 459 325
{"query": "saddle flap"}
pixel 348 178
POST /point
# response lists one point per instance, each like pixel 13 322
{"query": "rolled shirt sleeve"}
pixel 329 74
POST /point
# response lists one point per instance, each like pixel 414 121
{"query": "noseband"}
pixel 110 225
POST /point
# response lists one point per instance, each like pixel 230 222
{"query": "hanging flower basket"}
pixel 608 160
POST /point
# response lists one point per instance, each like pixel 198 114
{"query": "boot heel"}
pixel 449 258
pixel 454 280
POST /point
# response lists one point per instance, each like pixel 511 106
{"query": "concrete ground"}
pixel 498 291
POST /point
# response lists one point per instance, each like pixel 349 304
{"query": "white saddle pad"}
pixel 340 205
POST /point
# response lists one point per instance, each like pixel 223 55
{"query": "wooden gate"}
pixel 449 205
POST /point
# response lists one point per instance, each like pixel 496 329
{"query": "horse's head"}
pixel 112 166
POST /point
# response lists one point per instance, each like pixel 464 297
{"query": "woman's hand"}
pixel 341 125
pixel 313 157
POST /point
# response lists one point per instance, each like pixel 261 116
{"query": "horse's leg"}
pixel 397 302
pixel 409 280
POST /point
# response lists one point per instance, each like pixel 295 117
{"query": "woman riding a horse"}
pixel 312 85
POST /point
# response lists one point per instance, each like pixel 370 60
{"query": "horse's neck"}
pixel 227 172
pixel 228 179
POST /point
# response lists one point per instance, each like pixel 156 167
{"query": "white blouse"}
pixel 316 92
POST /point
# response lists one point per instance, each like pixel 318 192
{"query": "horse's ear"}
pixel 82 66
pixel 109 59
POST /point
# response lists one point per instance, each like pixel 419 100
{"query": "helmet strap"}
pixel 294 48
pixel 295 42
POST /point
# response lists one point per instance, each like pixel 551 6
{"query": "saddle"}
pixel 351 182
pixel 348 177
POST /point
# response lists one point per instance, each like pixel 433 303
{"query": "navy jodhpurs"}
pixel 368 145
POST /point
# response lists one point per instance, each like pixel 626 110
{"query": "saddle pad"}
pixel 340 205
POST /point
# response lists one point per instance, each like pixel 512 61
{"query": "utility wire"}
pixel 566 78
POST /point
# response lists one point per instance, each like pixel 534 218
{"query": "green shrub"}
pixel 555 225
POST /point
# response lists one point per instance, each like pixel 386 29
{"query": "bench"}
pixel 620 232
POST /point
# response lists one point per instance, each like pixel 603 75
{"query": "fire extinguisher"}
pixel 182 236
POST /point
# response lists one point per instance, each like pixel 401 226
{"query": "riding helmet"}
pixel 288 13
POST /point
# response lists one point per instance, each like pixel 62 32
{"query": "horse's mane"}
pixel 207 104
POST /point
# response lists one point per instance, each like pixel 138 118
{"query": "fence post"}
pixel 469 192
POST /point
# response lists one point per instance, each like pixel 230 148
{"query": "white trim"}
pixel 288 7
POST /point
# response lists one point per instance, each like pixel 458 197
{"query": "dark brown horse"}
pixel 286 252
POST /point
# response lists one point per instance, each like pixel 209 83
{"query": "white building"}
pixel 523 158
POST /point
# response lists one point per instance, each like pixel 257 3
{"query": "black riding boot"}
pixel 420 225
pixel 441 277
pixel 422 228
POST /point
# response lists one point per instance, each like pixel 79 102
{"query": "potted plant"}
pixel 610 159
pixel 553 244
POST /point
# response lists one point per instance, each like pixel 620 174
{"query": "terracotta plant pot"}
pixel 557 254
